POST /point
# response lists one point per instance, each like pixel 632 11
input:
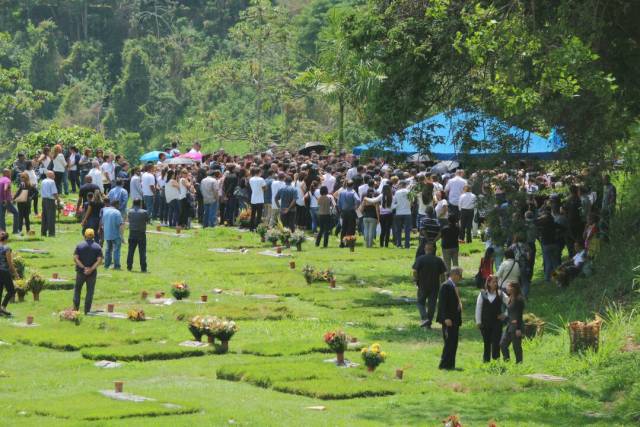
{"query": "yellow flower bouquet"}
pixel 373 356
pixel 180 290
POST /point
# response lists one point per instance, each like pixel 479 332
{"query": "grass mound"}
pixel 144 352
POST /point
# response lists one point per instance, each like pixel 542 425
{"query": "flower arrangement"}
pixel 285 236
pixel 273 236
pixel 196 327
pixel 19 264
pixel 309 273
pixel 336 340
pixel 372 356
pixel 21 288
pixel 262 230
pixel 136 315
pixel 452 421
pixel 224 330
pixel 36 284
pixel 180 290
pixel 297 239
pixel 70 315
pixel 244 217
pixel 350 242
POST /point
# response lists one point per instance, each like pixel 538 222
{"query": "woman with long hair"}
pixel 512 335
pixel 33 181
pixel 371 216
pixel 7 273
pixel 22 198
pixel 92 215
pixel 489 317
pixel 172 196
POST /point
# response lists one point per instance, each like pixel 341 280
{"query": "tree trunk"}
pixel 341 124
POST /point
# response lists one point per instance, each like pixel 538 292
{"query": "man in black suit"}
pixel 428 273
pixel 450 317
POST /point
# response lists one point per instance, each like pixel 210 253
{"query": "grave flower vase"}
pixel 204 298
pixel 36 296
pixel 20 298
pixel 371 368
pixel 279 250
pixel 118 385
pixel 144 295
pixel 292 265
pixel 299 247
pixel 340 358
pixel 110 308
pixel 224 347
pixel 399 373
pixel 29 320
pixel 210 339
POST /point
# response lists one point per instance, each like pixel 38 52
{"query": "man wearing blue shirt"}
pixel 112 229
pixel 121 195
pixel 286 202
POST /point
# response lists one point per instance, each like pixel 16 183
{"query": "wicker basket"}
pixel 584 336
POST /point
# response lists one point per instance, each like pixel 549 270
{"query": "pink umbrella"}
pixel 193 156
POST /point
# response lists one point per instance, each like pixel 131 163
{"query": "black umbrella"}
pixel 318 147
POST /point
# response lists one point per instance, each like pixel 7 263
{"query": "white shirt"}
pixel 329 182
pixel 467 200
pixel 170 192
pixel 313 199
pixel 148 182
pixel 578 259
pixel 437 187
pixel 135 191
pixel 275 187
pixel 440 208
pixel 59 163
pixel 362 190
pixel 33 179
pixel 300 199
pixel 110 170
pixel 479 302
pixel 257 192
pixel 351 173
pixel 96 178
pixel 401 202
pixel 508 272
pixel 72 162
pixel 454 189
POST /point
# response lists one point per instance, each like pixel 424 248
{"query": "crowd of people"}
pixel 513 211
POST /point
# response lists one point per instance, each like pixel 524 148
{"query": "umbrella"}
pixel 179 161
pixel 418 158
pixel 193 155
pixel 312 146
pixel 152 156
pixel 445 166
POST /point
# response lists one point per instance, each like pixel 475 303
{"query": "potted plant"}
pixel 136 315
pixel 533 326
pixel 337 342
pixel 180 290
pixel 350 242
pixel 273 236
pixel 144 295
pixel 309 273
pixel 36 284
pixel 196 327
pixel 297 239
pixel 19 264
pixel 21 289
pixel 224 330
pixel 285 237
pixel 372 356
pixel 70 315
pixel 244 218
pixel 262 230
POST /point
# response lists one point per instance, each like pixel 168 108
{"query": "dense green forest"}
pixel 243 74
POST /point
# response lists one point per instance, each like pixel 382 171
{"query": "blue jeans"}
pixel 400 223
pixel 369 228
pixel 549 260
pixel 148 205
pixel 314 219
pixel 113 252
pixel 210 214
pixel 174 212
pixel 4 207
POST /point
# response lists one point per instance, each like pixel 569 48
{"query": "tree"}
pixel 340 76
pixel 44 68
pixel 130 95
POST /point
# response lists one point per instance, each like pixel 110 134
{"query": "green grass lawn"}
pixel 276 370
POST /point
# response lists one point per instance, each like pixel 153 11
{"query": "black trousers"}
pixel 301 216
pixel 288 219
pixel 48 226
pixel 466 224
pixel 81 279
pixel 491 334
pixel 138 240
pixel 424 295
pixel 256 215
pixel 386 222
pixel 324 221
pixel 24 210
pixel 6 282
pixel 348 224
pixel 509 337
pixel 74 178
pixel 450 336
pixel 58 176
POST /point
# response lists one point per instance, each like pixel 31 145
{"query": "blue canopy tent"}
pixel 485 136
